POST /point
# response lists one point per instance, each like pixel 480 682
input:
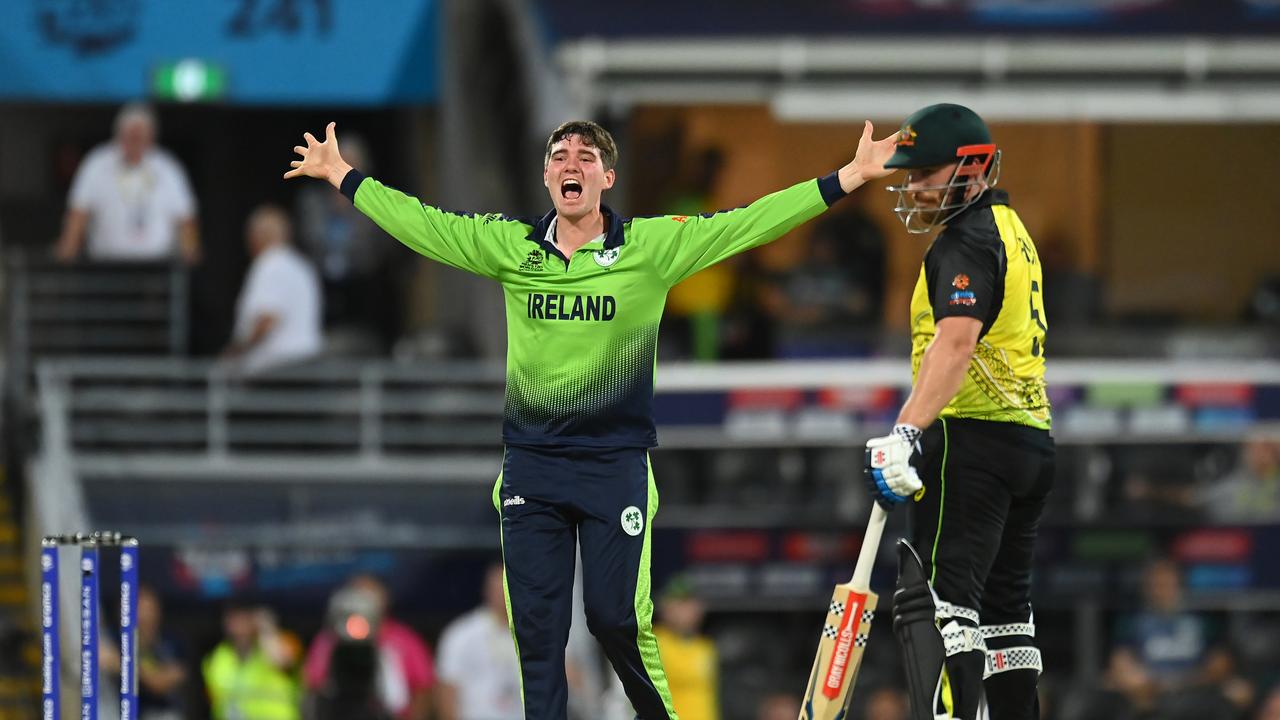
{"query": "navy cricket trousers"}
pixel 553 500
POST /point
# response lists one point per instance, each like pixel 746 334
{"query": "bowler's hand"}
pixel 868 163
pixel 320 159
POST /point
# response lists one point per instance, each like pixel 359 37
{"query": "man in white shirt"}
pixel 478 671
pixel 278 315
pixel 130 199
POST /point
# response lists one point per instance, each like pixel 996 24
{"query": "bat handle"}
pixel 870 545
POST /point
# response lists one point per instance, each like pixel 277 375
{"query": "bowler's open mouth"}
pixel 571 189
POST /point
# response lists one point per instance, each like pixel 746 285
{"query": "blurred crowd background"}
pixel 300 419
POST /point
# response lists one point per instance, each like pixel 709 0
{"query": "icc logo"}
pixel 89 27
pixel 126 562
pixel 46 563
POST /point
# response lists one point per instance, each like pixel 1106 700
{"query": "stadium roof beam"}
pixel 1183 79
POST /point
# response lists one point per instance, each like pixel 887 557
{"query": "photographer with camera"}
pixel 364 664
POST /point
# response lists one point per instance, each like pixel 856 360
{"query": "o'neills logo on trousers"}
pixel 571 307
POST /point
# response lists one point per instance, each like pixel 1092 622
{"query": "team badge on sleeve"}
pixel 962 295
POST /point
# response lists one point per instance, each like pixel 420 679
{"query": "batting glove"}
pixel 888 472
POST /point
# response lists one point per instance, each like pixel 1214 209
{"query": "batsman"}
pixel 971 444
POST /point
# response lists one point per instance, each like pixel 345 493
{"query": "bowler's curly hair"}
pixel 589 133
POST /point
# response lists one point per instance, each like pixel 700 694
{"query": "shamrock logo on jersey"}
pixel 605 258
pixel 632 521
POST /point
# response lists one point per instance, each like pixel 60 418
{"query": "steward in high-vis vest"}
pixel 243 681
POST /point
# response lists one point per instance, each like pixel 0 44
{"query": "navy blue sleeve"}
pixel 351 183
pixel 829 186
pixel 965 277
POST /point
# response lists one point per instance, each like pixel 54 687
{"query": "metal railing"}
pixel 384 416
pixel 119 437
pixel 385 452
pixel 311 432
pixel 85 309
pixel 362 411
pixel 99 308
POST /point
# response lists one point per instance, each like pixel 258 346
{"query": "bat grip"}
pixel 870 545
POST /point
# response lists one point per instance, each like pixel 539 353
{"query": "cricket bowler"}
pixel 584 290
pixel 978 418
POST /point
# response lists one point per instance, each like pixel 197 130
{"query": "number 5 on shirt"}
pixel 1037 342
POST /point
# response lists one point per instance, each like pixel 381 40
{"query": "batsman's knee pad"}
pixel 1011 646
pixel 966 659
pixel 959 627
pixel 1013 671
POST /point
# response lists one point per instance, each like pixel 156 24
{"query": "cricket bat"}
pixel 844 634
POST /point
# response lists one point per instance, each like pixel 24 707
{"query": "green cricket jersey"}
pixel 582 331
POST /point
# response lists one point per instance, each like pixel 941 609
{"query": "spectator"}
pixel 278 313
pixel 831 304
pixel 248 676
pixel 1168 661
pixel 161 675
pixel 584 662
pixel 479 672
pixel 1252 490
pixel 778 706
pixel 1159 484
pixel 130 199
pixel 363 283
pixel 690 657
pixel 696 306
pixel 406 674
pixel 1264 302
pixel 748 332
pixel 1073 296
pixel 886 703
pixel 1270 708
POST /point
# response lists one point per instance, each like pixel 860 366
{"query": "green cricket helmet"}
pixel 933 137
